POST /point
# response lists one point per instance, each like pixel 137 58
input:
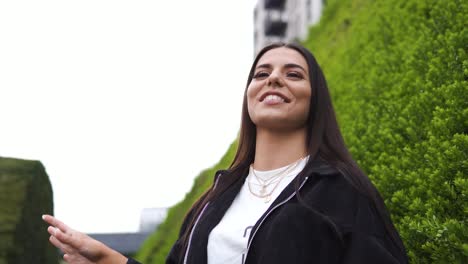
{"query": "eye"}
pixel 261 75
pixel 294 75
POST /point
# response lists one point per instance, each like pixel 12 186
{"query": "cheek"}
pixel 303 94
pixel 307 91
pixel 304 98
pixel 252 92
pixel 307 109
pixel 307 94
pixel 253 89
pixel 250 99
pixel 249 91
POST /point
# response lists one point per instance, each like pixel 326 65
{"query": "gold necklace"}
pixel 263 192
pixel 269 182
pixel 272 179
pixel 265 184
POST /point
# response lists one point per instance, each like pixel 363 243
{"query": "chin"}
pixel 278 124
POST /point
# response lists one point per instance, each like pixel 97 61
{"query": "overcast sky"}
pixel 124 102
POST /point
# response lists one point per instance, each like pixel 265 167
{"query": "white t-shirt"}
pixel 227 242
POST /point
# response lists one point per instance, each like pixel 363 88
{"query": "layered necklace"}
pixel 272 181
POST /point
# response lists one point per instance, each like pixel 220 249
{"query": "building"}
pixel 151 218
pixel 129 243
pixel 283 20
pixel 125 243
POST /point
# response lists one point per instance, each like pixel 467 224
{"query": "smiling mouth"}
pixel 273 98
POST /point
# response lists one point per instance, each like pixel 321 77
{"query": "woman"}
pixel 293 194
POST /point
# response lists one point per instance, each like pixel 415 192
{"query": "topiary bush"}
pixel 25 194
pixel 398 73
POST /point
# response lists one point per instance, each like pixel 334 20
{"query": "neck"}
pixel 275 149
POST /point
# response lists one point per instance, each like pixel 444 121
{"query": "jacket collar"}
pixel 218 207
pixel 315 166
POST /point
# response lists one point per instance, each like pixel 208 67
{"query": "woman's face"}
pixel 278 97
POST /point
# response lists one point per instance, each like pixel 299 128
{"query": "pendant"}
pixel 267 198
pixel 263 190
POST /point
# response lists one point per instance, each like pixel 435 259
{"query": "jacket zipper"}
pixel 268 213
pixel 196 222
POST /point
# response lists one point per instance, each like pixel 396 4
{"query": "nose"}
pixel 274 79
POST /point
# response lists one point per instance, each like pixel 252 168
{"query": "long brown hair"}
pixel 324 141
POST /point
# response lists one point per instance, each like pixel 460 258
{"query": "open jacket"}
pixel 342 227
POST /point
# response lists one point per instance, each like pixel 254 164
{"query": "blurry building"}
pixel 151 218
pixel 284 20
pixel 129 243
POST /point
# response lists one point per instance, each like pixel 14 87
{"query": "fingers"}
pixel 55 232
pixel 55 242
pixel 61 231
pixel 68 258
pixel 62 236
pixel 78 248
pixel 55 222
pixel 63 247
pixel 77 245
pixel 72 238
pixel 57 238
pixel 76 259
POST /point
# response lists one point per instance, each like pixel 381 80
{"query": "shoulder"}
pixel 332 194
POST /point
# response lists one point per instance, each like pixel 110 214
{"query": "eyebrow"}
pixel 287 65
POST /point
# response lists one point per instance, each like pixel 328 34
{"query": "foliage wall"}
pixel 25 194
pixel 397 71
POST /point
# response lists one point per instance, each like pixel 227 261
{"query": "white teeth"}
pixel 273 98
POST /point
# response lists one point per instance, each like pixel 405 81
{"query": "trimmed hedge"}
pixel 25 194
pixel 398 72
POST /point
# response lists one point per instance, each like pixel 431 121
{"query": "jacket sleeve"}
pixel 175 253
pixel 365 248
pixel 368 241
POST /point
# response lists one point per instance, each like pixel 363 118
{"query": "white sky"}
pixel 124 102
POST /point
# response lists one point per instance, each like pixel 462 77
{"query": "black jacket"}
pixel 343 227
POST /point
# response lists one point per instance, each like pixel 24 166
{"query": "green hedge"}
pixel 398 72
pixel 25 194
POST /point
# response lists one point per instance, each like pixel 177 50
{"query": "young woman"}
pixel 293 194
